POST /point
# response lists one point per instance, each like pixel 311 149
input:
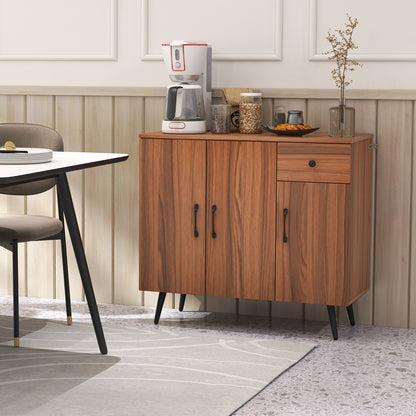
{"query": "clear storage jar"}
pixel 250 112
pixel 220 118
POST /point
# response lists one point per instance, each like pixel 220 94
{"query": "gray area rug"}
pixel 148 371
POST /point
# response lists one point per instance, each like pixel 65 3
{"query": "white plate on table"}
pixel 33 155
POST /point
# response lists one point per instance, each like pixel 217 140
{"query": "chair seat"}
pixel 27 227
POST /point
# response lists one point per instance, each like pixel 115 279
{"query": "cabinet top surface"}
pixel 263 137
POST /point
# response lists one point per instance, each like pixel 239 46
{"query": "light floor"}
pixel 368 371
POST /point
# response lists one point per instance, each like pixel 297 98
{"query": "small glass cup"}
pixel 220 118
pixel 279 116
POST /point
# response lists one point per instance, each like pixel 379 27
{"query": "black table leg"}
pixel 160 302
pixel 71 220
pixel 351 315
pixel 182 302
pixel 333 321
pixel 65 266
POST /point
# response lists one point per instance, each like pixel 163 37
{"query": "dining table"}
pixel 61 163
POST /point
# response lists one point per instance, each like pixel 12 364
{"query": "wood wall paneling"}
pixel 267 110
pixel 412 283
pixel 128 121
pixel 99 198
pixel 392 217
pixel 154 113
pixel 12 110
pixel 40 109
pixel 318 113
pixel 69 122
pixel 102 123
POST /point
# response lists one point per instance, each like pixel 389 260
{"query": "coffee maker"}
pixel 188 100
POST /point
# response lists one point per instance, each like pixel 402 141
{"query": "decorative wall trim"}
pixel 217 93
pixel 368 57
pixel 111 55
pixel 275 55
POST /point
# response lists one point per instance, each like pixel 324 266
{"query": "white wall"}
pixel 275 44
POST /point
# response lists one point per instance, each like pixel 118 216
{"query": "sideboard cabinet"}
pixel 256 217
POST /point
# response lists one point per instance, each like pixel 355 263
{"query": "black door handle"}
pixel 285 212
pixel 196 208
pixel 213 209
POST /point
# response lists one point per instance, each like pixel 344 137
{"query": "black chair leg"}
pixel 15 294
pixel 333 321
pixel 351 315
pixel 65 266
pixel 160 301
pixel 182 302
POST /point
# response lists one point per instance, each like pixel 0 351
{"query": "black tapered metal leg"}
pixel 65 265
pixel 15 294
pixel 333 321
pixel 182 302
pixel 351 315
pixel 160 302
pixel 71 220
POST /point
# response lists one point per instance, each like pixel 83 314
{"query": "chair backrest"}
pixel 30 135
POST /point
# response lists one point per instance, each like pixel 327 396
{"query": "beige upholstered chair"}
pixel 15 229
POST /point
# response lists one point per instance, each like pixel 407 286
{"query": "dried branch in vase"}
pixel 341 44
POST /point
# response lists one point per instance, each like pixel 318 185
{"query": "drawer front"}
pixel 313 163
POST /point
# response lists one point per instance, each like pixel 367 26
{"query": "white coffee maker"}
pixel 188 100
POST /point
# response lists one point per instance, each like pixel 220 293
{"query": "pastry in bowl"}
pixel 9 145
pixel 286 126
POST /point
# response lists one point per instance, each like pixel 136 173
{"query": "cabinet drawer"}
pixel 314 163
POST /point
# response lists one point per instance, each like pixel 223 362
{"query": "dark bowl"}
pixel 300 132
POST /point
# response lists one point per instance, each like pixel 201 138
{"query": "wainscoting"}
pixel 106 198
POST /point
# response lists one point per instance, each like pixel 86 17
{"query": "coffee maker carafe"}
pixel 185 103
pixel 188 100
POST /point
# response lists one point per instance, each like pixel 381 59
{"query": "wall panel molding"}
pixel 51 40
pixel 282 93
pixel 376 56
pixel 275 54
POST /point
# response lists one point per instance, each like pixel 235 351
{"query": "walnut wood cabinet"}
pixel 256 217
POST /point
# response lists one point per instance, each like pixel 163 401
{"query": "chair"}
pixel 15 229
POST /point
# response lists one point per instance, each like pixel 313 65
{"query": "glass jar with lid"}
pixel 250 112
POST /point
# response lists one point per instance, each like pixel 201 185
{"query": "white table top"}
pixel 61 162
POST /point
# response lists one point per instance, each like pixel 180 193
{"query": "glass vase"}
pixel 341 121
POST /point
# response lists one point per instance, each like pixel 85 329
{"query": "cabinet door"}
pixel 241 184
pixel 311 263
pixel 172 183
